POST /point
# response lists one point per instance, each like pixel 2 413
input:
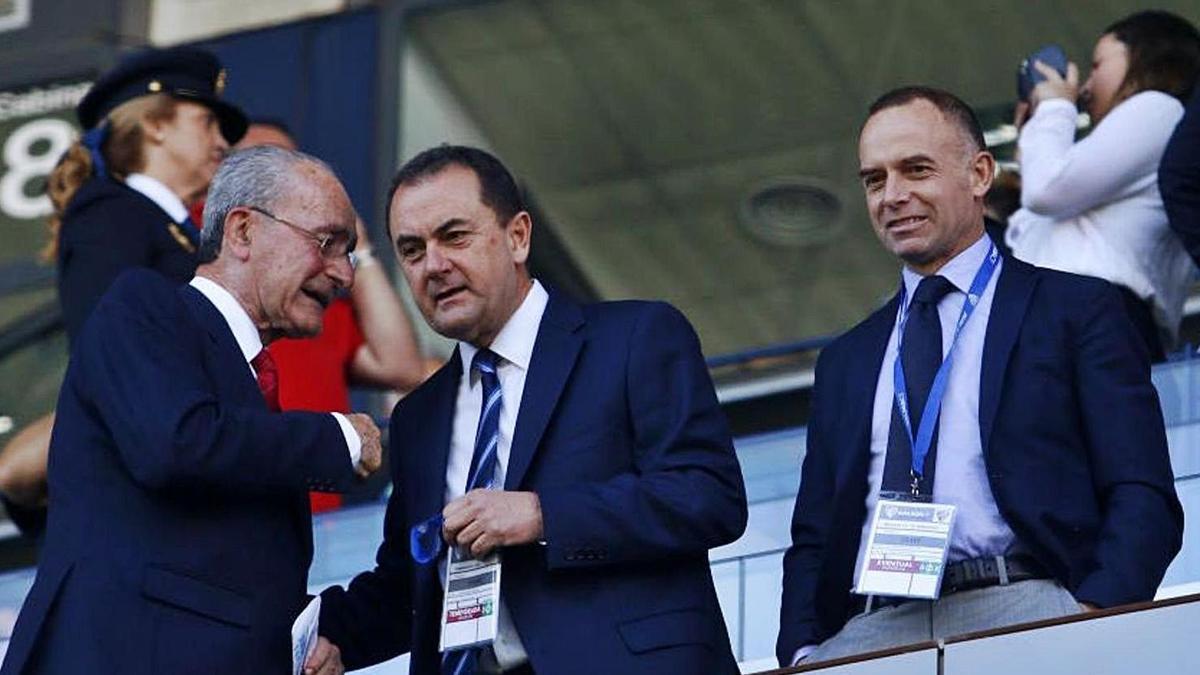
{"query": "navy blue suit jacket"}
pixel 1179 178
pixel 620 435
pixel 1072 436
pixel 179 536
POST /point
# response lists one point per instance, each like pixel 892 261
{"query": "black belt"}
pixel 966 575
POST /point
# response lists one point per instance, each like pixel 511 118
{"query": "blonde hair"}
pixel 123 155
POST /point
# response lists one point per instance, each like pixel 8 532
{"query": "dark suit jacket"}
pixel 1072 436
pixel 179 538
pixel 1179 178
pixel 108 228
pixel 620 435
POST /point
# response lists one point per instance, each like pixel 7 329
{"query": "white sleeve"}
pixel 1061 178
pixel 353 442
pixel 802 654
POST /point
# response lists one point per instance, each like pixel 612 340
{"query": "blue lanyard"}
pixel 937 391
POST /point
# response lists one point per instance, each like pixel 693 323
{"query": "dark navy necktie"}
pixel 920 355
pixel 481 475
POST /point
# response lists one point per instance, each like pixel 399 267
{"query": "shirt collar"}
pixel 959 270
pixel 514 342
pixel 154 190
pixel 234 314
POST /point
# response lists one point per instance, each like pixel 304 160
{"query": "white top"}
pixel 154 190
pixel 514 345
pixel 1093 207
pixel 251 344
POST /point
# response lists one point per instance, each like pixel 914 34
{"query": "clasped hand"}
pixel 483 520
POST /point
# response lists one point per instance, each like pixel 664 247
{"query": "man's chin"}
pixel 303 329
pixel 454 325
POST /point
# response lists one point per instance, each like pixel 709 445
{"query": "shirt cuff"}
pixel 802 654
pixel 353 442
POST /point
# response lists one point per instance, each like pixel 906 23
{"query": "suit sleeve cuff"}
pixel 353 442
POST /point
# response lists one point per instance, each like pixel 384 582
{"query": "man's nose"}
pixel 436 262
pixel 895 191
pixel 341 270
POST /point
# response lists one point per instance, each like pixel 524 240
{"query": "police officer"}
pixel 155 131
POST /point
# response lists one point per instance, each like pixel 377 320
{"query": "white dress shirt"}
pixel 154 190
pixel 514 345
pixel 1093 207
pixel 251 344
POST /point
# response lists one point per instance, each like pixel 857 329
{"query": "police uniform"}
pixel 109 225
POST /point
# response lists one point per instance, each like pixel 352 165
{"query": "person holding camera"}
pixel 1093 207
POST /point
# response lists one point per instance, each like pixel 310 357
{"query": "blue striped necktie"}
pixel 487 434
pixel 481 475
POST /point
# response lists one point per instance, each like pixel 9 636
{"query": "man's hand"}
pixel 372 451
pixel 1088 607
pixel 483 520
pixel 326 659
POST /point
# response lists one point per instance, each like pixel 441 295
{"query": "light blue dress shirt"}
pixel 961 475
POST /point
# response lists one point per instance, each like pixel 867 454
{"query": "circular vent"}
pixel 792 212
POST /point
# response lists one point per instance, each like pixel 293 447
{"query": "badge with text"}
pixel 906 549
pixel 471 601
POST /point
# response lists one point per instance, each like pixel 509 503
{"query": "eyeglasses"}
pixel 331 245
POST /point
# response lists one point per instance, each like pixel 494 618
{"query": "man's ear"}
pixel 518 233
pixel 239 233
pixel 983 172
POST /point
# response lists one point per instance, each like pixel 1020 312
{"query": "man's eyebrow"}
pixel 906 161
pixel 441 229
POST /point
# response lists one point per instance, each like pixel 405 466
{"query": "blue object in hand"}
pixel 1028 77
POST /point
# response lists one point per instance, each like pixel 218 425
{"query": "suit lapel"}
pixel 862 375
pixel 223 343
pixel 1013 290
pixel 430 443
pixel 554 354
pixel 234 376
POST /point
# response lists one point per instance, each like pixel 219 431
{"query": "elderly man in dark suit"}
pixel 598 424
pixel 1045 432
pixel 179 538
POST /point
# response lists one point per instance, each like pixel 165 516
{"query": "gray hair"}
pixel 257 176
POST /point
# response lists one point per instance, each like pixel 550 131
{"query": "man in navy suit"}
pixel 1179 177
pixel 1050 440
pixel 616 465
pixel 179 536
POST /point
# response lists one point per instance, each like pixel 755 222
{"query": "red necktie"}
pixel 268 378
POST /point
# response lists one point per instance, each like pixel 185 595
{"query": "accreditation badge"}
pixel 906 549
pixel 471 602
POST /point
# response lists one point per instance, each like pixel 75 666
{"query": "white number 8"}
pixel 23 166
